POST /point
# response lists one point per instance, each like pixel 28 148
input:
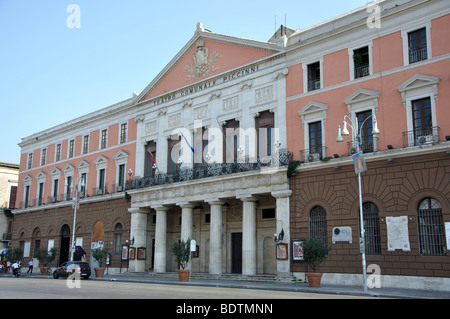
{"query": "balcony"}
pixel 367 146
pixel 421 137
pixel 210 170
pixel 309 155
pixel 418 54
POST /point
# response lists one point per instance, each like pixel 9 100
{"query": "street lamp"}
pixel 75 205
pixel 357 130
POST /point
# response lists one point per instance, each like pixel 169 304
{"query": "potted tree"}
pixel 182 252
pixel 99 254
pixel 315 252
pixel 45 257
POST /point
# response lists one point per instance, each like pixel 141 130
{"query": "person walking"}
pixel 30 266
pixel 15 268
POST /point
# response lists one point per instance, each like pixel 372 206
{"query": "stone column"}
pixel 138 232
pixel 282 211
pixel 160 239
pixel 215 241
pixel 249 236
pixel 186 220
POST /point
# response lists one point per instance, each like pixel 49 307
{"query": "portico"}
pixel 250 204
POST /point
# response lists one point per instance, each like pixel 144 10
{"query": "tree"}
pixel 182 252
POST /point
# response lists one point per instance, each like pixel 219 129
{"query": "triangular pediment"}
pixel 68 168
pixel 120 155
pixel 418 81
pixel 361 95
pixel 55 171
pixel 101 160
pixel 83 164
pixel 206 55
pixel 313 107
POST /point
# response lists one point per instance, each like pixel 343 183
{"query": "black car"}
pixel 69 267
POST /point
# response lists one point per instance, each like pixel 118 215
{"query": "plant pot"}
pixel 44 270
pixel 314 279
pixel 99 272
pixel 183 275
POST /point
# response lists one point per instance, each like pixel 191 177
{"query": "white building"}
pixel 214 121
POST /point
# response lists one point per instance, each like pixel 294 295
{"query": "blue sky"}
pixel 50 73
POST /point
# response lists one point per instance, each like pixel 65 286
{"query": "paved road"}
pixel 18 288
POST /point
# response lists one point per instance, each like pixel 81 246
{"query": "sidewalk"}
pixel 280 286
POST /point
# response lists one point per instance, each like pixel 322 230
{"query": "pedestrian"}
pixel 8 266
pixel 15 268
pixel 30 266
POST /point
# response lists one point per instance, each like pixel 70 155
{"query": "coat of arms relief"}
pixel 202 66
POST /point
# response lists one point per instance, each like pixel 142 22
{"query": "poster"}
pixel 360 163
pixel 397 233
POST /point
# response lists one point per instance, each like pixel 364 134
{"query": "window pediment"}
pixel 313 108
pixel 417 82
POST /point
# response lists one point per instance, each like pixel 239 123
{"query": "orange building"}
pixel 379 74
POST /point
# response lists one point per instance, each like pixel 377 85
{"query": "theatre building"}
pixel 382 76
pixel 200 153
pixel 211 157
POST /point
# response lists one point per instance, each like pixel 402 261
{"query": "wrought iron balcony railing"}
pixel 210 170
pixel 421 137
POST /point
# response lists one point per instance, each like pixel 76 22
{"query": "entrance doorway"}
pixel 65 244
pixel 236 253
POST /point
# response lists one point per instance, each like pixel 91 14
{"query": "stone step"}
pixel 206 276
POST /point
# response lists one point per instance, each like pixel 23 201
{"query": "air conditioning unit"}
pixel 421 140
pixel 342 233
pixel 313 157
pixel 352 150
pixel 53 199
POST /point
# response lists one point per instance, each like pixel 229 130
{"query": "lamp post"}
pixel 357 130
pixel 75 205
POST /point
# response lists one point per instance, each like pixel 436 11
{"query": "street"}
pixel 36 288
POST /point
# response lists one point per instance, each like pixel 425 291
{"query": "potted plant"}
pixel 315 252
pixel 182 252
pixel 99 254
pixel 45 257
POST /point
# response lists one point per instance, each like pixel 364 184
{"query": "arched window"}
pixel 318 223
pixel 431 228
pixel 118 239
pixel 371 228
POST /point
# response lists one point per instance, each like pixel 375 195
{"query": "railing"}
pixel 361 71
pixel 365 146
pixel 419 54
pixel 421 137
pixel 210 170
pixel 313 155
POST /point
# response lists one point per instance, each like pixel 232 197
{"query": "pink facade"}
pixel 51 165
pixel 389 72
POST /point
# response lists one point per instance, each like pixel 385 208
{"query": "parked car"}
pixel 69 267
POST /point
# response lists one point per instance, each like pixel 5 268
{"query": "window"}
pixel 118 240
pixel 85 144
pixel 69 188
pixel 27 196
pixel 40 194
pixel 422 120
pixel 101 181
pixel 268 213
pixel 71 148
pixel 315 139
pixel 43 156
pixel 231 142
pixel 417 45
pixel 83 185
pixel 123 133
pixel 174 154
pixel 318 223
pixel 200 146
pixel 55 190
pixel 314 81
pixel 30 160
pixel 150 159
pixel 121 181
pixel 361 64
pixel 264 125
pixel 431 228
pixel 365 124
pixel 371 228
pixel 103 139
pixel 58 152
